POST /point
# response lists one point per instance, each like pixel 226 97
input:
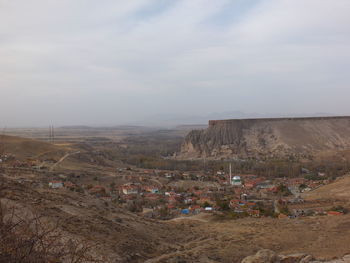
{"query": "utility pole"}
pixel 2 147
pixel 51 134
pixel 2 142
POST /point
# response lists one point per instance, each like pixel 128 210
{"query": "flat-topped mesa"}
pixel 268 138
pixel 215 122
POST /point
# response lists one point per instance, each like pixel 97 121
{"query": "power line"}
pixel 51 134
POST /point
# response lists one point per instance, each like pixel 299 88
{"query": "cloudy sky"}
pixel 114 61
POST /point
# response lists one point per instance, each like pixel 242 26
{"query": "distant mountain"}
pixel 173 120
pixel 76 127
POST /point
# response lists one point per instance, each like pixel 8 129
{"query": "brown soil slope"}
pixel 119 236
pixel 269 138
pixel 26 148
pixel 230 241
pixel 338 190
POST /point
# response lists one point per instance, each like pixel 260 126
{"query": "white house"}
pixel 55 184
pixel 130 189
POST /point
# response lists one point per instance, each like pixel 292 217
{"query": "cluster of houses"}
pixel 11 161
pixel 6 158
pixel 242 194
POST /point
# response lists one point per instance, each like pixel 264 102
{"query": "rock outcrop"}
pixel 269 256
pixel 268 138
pixel 263 256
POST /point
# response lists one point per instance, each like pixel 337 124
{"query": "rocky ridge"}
pixel 268 138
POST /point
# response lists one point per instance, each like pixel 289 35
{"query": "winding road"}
pixel 62 159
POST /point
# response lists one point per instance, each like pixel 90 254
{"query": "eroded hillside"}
pixel 115 234
pixel 268 138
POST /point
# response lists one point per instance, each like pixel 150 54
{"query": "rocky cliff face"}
pixel 268 138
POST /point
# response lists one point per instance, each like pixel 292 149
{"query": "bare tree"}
pixel 30 240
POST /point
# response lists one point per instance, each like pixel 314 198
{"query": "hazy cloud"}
pixel 110 62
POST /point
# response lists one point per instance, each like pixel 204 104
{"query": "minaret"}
pixel 230 175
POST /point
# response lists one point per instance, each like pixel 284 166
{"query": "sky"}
pixel 110 62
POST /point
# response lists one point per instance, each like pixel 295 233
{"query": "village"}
pixel 163 194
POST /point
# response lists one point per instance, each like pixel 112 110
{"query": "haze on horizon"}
pixel 112 62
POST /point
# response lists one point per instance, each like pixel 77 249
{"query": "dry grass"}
pixel 338 190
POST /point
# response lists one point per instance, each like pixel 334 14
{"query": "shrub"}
pixel 29 240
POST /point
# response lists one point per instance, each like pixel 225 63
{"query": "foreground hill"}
pixel 269 138
pixel 338 190
pixel 115 234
